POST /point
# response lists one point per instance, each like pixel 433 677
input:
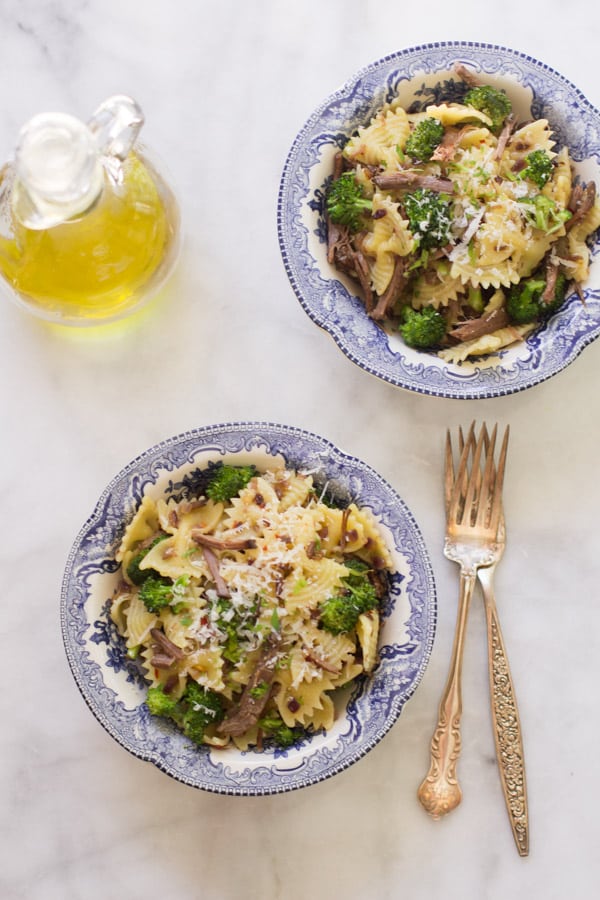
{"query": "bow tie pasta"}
pixel 463 228
pixel 250 606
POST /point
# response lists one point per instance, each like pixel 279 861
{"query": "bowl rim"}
pixel 203 435
pixel 460 389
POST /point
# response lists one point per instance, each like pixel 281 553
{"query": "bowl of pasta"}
pixel 438 217
pixel 248 608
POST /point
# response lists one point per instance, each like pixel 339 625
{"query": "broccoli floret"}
pixel 229 481
pixel 281 734
pixel 538 168
pixel 340 612
pixel 426 136
pixel 492 102
pixel 201 708
pixel 346 203
pixel 356 565
pixel 544 213
pixel 525 304
pixel 429 217
pixel 422 329
pixel 160 704
pixel 193 713
pixel 134 573
pixel 522 303
pixel 156 592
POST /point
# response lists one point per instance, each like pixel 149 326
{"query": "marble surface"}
pixel 225 88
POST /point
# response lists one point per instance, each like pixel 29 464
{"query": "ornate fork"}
pixel 507 726
pixel 473 513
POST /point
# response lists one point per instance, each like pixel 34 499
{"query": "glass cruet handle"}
pixel 115 126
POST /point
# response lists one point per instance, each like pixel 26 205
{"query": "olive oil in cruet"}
pixel 89 228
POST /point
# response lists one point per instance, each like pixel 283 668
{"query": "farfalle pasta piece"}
pixel 138 622
pixel 535 251
pixel 588 224
pixel 204 517
pixel 299 704
pixel 457 114
pixel 206 667
pixel 323 717
pixel 374 549
pixel 578 261
pixel 243 742
pixel 435 287
pixel 390 232
pixel 177 631
pixel 578 254
pixel 367 629
pixel 172 559
pixel 388 239
pixel 474 172
pixel 501 235
pixel 143 525
pixel 253 504
pixel 560 184
pixel 346 530
pixel 294 491
pixel 156 677
pixel 503 274
pixel 118 609
pixel 166 511
pixel 320 578
pixel 381 271
pixel 350 671
pixel 473 137
pixel 489 343
pixel 332 649
pixel 535 135
pixel 377 143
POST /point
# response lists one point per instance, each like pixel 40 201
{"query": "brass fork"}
pixel 473 514
pixel 506 722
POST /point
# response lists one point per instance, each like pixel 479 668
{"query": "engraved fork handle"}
pixel 507 726
pixel 440 793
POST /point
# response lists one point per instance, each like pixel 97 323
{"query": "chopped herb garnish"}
pixel 260 690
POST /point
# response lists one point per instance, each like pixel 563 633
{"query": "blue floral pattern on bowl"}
pixel 111 683
pixel 419 76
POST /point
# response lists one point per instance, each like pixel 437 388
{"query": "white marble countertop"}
pixel 225 87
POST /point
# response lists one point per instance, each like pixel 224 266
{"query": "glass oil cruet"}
pixel 89 229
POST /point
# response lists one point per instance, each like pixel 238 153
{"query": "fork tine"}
pixel 496 510
pixel 461 447
pixel 473 490
pixel 487 488
pixel 477 472
pixel 472 496
pixel 460 481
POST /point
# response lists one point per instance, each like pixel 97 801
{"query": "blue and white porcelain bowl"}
pixel 111 683
pixel 416 75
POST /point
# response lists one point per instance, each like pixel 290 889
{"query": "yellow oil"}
pixel 98 266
